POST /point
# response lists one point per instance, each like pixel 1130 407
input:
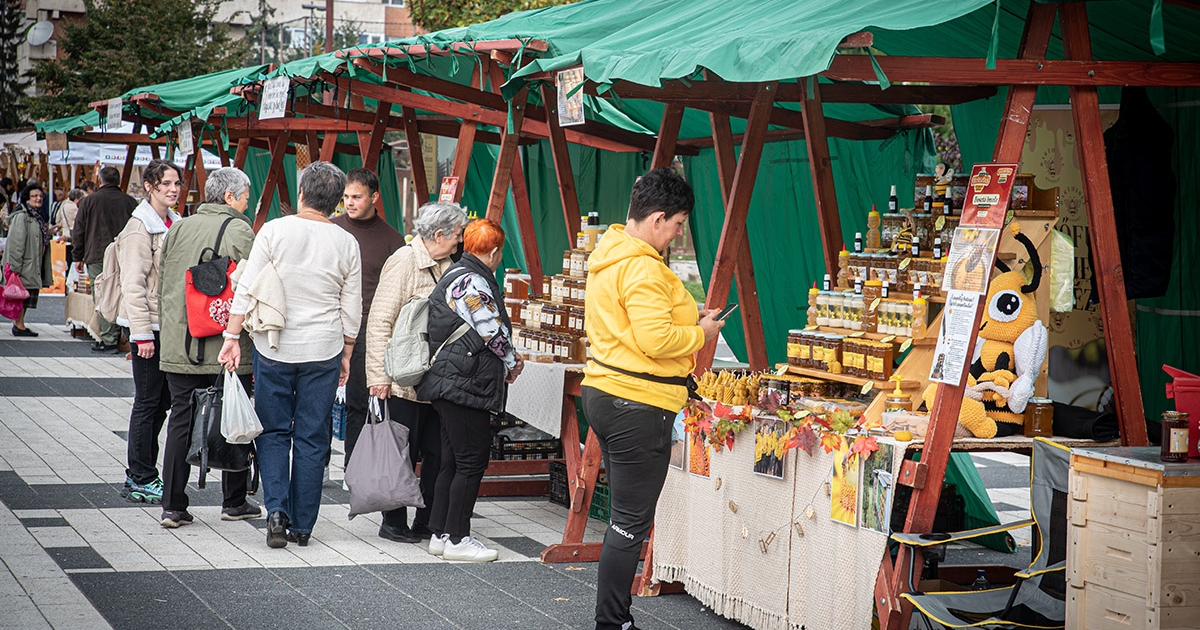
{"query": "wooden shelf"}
pixel 844 378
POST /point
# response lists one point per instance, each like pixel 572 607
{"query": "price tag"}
pixel 906 345
pixel 274 98
pixel 874 304
pixel 809 328
pixel 803 414
pixel 783 369
pixel 888 339
pixel 185 139
pixel 940 223
pixel 904 263
pixel 867 387
pixel 855 335
pixel 113 122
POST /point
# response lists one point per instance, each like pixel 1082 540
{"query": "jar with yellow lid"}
pixel 897 400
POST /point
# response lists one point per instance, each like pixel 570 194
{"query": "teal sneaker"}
pixel 146 493
pixel 126 488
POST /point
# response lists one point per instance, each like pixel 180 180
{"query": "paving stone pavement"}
pixel 75 555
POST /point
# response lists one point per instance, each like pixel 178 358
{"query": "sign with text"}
pixel 185 139
pixel 988 192
pixel 274 98
pixel 969 266
pixel 954 337
pixel 570 105
pixel 56 141
pixel 113 122
pixel 449 188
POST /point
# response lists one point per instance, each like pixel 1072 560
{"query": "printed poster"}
pixel 113 119
pixel 876 505
pixel 449 188
pixel 770 447
pixel 699 455
pixel 843 506
pixel 678 443
pixel 988 192
pixel 570 108
pixel 954 337
pixel 972 254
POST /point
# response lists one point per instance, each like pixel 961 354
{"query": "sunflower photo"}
pixel 843 506
pixel 770 447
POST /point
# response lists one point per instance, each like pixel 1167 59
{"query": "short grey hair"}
pixel 436 216
pixel 223 180
pixel 322 185
pixel 76 194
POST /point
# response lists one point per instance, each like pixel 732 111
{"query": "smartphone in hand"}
pixel 729 308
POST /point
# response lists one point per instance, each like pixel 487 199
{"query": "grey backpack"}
pixel 407 357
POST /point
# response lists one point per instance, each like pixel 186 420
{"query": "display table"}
pixel 1133 547
pixel 714 534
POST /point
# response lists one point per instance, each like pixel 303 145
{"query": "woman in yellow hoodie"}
pixel 645 330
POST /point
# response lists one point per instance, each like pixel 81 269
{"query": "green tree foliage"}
pixel 435 15
pixel 122 44
pixel 12 84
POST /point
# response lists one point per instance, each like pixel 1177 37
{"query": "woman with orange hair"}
pixel 468 382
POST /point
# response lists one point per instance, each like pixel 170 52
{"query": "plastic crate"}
pixel 560 490
pixel 600 507
pixel 504 447
pixel 505 421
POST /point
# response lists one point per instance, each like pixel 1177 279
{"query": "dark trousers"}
pixel 635 440
pixel 151 400
pixel 176 470
pixel 425 446
pixel 466 443
pixel 356 393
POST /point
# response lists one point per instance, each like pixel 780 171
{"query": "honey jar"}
pixel 1039 417
pixel 1174 437
pixel 795 346
pixel 516 284
pixel 897 400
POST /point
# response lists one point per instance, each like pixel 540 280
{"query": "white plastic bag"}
pixel 1062 272
pixel 239 423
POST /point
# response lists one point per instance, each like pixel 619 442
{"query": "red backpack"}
pixel 208 295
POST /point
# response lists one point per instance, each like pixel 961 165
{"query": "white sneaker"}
pixel 437 544
pixel 469 550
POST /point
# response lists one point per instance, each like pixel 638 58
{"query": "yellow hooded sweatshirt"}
pixel 639 318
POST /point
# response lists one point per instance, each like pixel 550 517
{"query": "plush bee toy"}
pixel 1008 354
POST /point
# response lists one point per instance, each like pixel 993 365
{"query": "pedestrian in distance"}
pixel 28 251
pixel 102 215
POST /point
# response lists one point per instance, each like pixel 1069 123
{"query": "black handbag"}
pixel 208 449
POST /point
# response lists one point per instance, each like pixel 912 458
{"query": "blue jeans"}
pixel 293 401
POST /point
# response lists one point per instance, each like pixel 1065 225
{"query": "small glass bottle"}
pixel 1174 437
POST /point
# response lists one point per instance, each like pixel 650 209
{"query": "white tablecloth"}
pixel 537 396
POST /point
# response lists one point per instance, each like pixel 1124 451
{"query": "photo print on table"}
pixel 843 506
pixel 699 455
pixel 770 446
pixel 678 443
pixel 876 490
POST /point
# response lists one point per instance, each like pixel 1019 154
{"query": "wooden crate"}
pixel 1133 543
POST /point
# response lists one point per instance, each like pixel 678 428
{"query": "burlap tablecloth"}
pixel 823 578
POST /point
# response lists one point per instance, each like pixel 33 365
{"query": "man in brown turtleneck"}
pixel 376 242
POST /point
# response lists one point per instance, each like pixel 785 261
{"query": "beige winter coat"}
pixel 139 250
pixel 408 273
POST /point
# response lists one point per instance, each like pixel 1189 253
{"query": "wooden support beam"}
pixel 737 210
pixel 1102 233
pixel 329 146
pixel 416 159
pixel 243 151
pixel 505 160
pixel 821 168
pixel 275 175
pixel 313 141
pixel 668 136
pixel 197 159
pixel 462 158
pixel 127 168
pixel 1019 103
pixel 562 166
pixel 529 242
pixel 747 285
pixel 221 152
pixel 373 146
pixel 958 71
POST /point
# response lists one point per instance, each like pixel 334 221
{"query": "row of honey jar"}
pixel 546 316
pixel 897 229
pixel 567 290
pixel 852 311
pixel 901 273
pixel 550 347
pixel 789 388
pixel 826 351
pixel 575 263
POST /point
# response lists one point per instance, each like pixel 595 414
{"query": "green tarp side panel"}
pixel 69 124
pixel 978 510
pixel 186 94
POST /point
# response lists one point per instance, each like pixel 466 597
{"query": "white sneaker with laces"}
pixel 437 544
pixel 469 549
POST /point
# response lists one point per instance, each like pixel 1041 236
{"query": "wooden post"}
pixel 243 150
pixel 328 146
pixel 756 349
pixel 416 157
pixel 222 152
pixel 374 146
pixel 668 136
pixel 462 157
pixel 130 156
pixel 821 168
pixel 562 164
pixel 505 161
pixel 529 243
pixel 738 208
pixel 1102 233
pixel 198 167
pixel 275 173
pixel 892 580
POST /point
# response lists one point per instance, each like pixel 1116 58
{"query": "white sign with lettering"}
pixel 114 115
pixel 274 98
pixel 185 139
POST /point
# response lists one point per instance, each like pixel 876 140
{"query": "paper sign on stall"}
pixel 970 263
pixel 114 114
pixel 570 108
pixel 185 139
pixel 449 188
pixel 954 338
pixel 988 192
pixel 274 98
